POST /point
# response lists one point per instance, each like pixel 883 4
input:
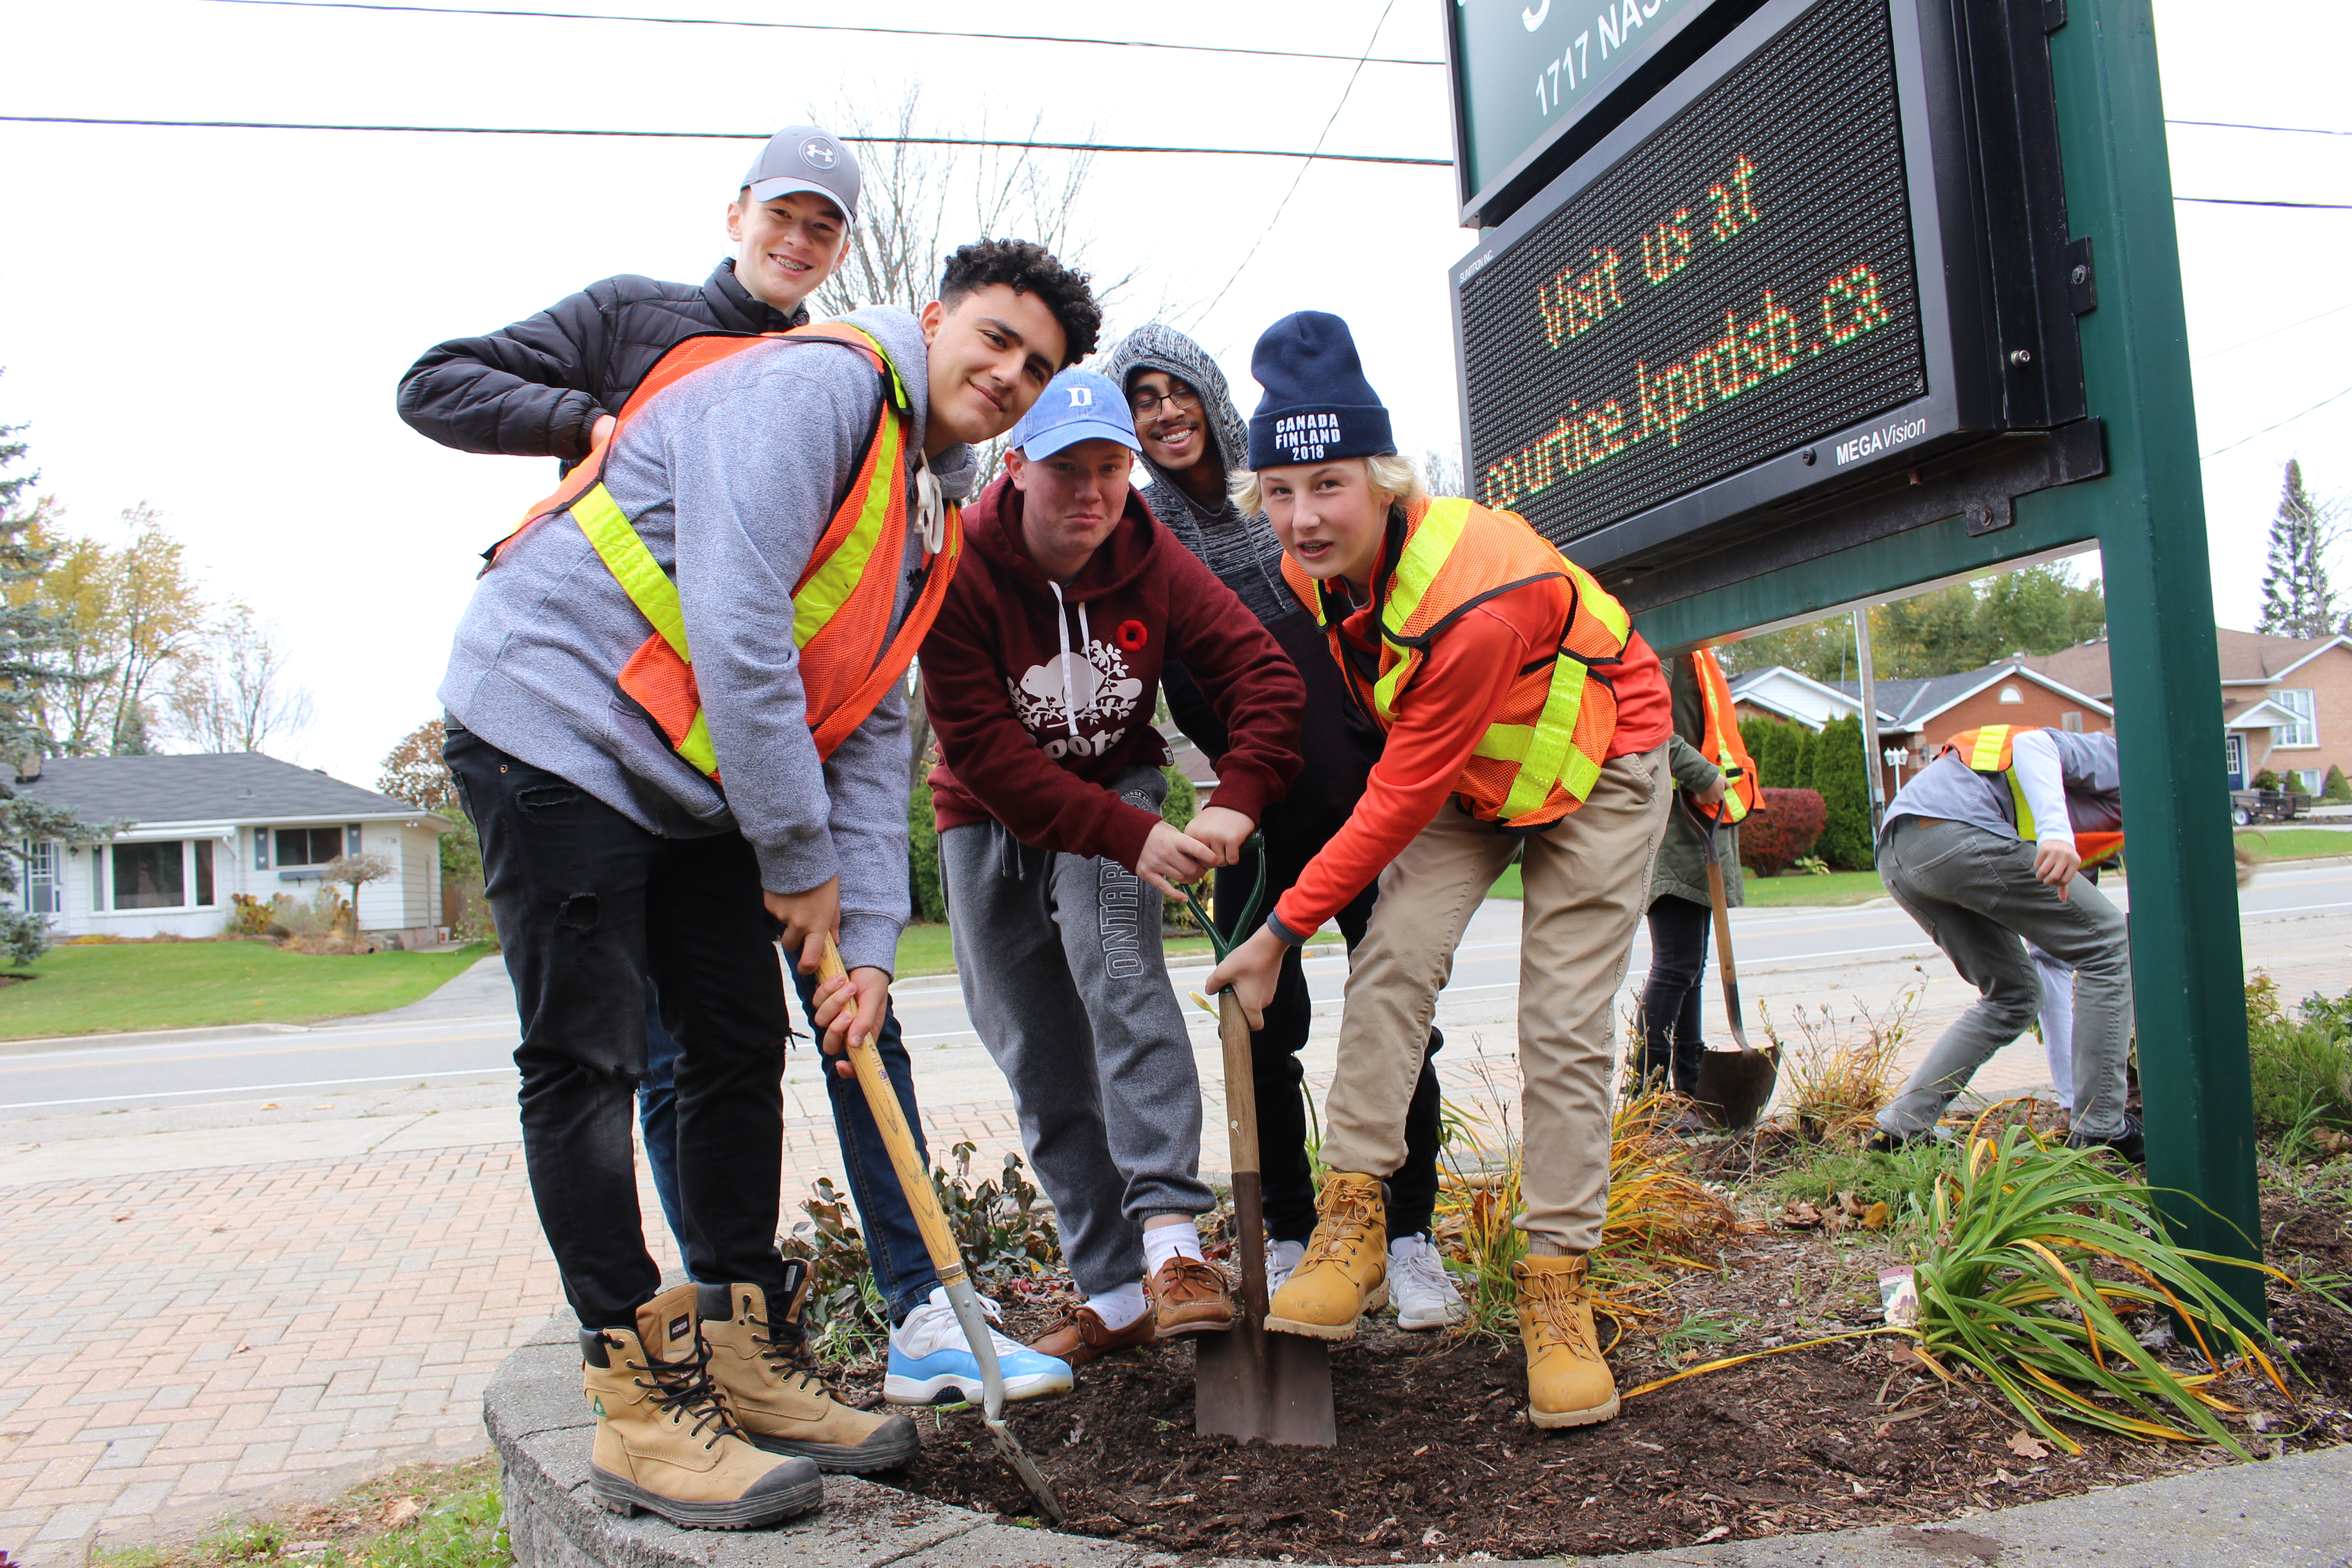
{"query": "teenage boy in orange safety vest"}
pixel 1523 712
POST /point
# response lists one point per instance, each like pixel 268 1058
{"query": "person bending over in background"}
pixel 1192 438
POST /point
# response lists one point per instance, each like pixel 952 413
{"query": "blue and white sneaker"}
pixel 930 1360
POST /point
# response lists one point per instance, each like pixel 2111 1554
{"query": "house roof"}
pixel 1914 703
pixel 2248 659
pixel 232 786
pixel 2263 714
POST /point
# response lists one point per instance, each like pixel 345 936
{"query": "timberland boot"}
pixel 1344 1273
pixel 1568 1382
pixel 664 1440
pixel 756 1358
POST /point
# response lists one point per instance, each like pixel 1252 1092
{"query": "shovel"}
pixel 939 1242
pixel 1247 1383
pixel 1734 1086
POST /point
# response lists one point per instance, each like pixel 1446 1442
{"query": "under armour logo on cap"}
pixel 805 158
pixel 822 154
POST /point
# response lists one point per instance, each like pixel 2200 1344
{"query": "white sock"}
pixel 1163 1242
pixel 1119 1308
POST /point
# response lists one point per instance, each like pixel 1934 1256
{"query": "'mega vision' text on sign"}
pixel 1738 284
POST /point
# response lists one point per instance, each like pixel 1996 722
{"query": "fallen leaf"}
pixel 1431 1536
pixel 2026 1447
pixel 1874 1217
pixel 1718 1533
pixel 1852 1205
pixel 271 1105
pixel 120 1217
pixel 1799 1215
pixel 329 1106
pixel 398 1510
pixel 242 1346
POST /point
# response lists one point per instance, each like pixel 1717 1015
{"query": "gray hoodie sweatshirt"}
pixel 731 476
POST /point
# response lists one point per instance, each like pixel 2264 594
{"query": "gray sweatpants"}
pixel 1975 893
pixel 1064 977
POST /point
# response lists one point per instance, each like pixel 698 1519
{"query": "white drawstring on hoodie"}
pixel 1062 625
pixel 930 508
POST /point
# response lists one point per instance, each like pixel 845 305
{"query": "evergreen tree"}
pixel 29 635
pixel 2297 601
pixel 1755 734
pixel 1843 777
pixel 1802 766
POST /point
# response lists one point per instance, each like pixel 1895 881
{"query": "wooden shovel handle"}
pixel 883 1101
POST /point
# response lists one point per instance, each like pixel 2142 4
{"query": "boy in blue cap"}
pixel 1042 675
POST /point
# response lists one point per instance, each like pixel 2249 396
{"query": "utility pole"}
pixel 1869 722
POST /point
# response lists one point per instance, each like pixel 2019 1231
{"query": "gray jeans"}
pixel 1067 984
pixel 1974 894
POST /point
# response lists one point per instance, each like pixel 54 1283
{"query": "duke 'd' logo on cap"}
pixel 823 154
pixel 1081 398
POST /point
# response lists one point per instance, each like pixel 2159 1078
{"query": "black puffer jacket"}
pixel 535 389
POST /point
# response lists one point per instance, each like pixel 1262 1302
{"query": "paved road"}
pixel 468 1032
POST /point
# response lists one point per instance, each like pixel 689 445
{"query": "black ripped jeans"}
pixel 588 904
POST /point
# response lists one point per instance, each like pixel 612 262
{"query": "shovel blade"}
pixel 1276 1388
pixel 1733 1086
pixel 1009 1449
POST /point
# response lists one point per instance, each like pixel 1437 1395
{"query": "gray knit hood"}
pixel 1164 349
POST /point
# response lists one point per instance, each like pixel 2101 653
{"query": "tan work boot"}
pixel 1568 1382
pixel 782 1405
pixel 1345 1272
pixel 665 1441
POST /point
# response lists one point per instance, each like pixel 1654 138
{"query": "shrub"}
pixel 1841 774
pixel 250 916
pixel 1776 757
pixel 926 891
pixel 1808 761
pixel 1757 734
pixel 2302 1064
pixel 2265 780
pixel 1184 802
pixel 2337 787
pixel 1783 831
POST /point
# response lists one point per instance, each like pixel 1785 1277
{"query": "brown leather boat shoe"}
pixel 1082 1336
pixel 1190 1297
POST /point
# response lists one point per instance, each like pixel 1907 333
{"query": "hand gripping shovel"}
pixel 939 1242
pixel 1248 1383
pixel 1734 1086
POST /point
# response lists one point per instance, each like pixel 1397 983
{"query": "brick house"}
pixel 2287 702
pixel 1916 717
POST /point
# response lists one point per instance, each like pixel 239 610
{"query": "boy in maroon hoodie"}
pixel 1042 675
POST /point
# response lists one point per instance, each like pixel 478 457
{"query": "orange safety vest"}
pixel 1540 758
pixel 842 604
pixel 1721 743
pixel 1988 751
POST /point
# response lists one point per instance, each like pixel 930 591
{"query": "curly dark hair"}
pixel 1028 268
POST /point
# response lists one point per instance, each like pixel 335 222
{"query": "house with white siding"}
pixel 190 832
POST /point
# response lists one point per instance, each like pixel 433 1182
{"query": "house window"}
pixel 309 846
pixel 2071 721
pixel 2010 694
pixel 41 860
pixel 2305 706
pixel 149 876
pixel 2312 779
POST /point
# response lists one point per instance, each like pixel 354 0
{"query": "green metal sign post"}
pixel 2146 513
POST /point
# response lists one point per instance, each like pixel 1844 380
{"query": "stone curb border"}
pixel 2294 1512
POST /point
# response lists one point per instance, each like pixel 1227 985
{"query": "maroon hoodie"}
pixel 1042 695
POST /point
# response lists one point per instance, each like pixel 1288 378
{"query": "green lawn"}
pixel 2293 843
pixel 99 989
pixel 1765 892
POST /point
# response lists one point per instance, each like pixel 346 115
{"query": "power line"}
pixel 825 27
pixel 2274 331
pixel 2283 130
pixel 723 136
pixel 2236 202
pixel 2280 425
pixel 1282 204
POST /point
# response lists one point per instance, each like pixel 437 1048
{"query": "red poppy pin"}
pixel 1133 636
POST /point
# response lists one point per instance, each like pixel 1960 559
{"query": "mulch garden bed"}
pixel 1437 1460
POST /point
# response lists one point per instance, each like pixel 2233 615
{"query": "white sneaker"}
pixel 930 1356
pixel 1419 1286
pixel 1281 1258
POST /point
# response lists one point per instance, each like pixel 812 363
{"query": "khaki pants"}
pixel 1587 881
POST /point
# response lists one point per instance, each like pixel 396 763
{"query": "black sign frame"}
pixel 1989 244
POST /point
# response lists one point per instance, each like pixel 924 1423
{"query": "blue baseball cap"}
pixel 1076 405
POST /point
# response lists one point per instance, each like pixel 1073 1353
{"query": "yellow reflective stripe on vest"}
pixel 824 594
pixel 1984 757
pixel 632 565
pixel 697 748
pixel 1424 555
pixel 1552 756
pixel 2025 828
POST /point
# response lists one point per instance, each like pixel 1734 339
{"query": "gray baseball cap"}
pixel 805 158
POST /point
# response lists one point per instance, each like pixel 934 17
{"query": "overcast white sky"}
pixel 213 321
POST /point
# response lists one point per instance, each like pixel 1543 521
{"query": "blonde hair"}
pixel 1391 473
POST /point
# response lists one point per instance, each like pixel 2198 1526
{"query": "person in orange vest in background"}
pixel 1711 765
pixel 1985 849
pixel 1522 713
pixel 781 516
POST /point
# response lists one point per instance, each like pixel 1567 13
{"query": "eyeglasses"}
pixel 1146 404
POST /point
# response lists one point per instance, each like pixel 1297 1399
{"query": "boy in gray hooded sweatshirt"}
pixel 704 528
pixel 1191 435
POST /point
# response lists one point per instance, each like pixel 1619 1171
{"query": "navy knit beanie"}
pixel 1317 405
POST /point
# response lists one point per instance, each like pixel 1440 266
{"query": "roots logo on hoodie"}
pixel 1077 704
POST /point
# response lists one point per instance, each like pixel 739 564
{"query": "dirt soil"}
pixel 1436 1459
